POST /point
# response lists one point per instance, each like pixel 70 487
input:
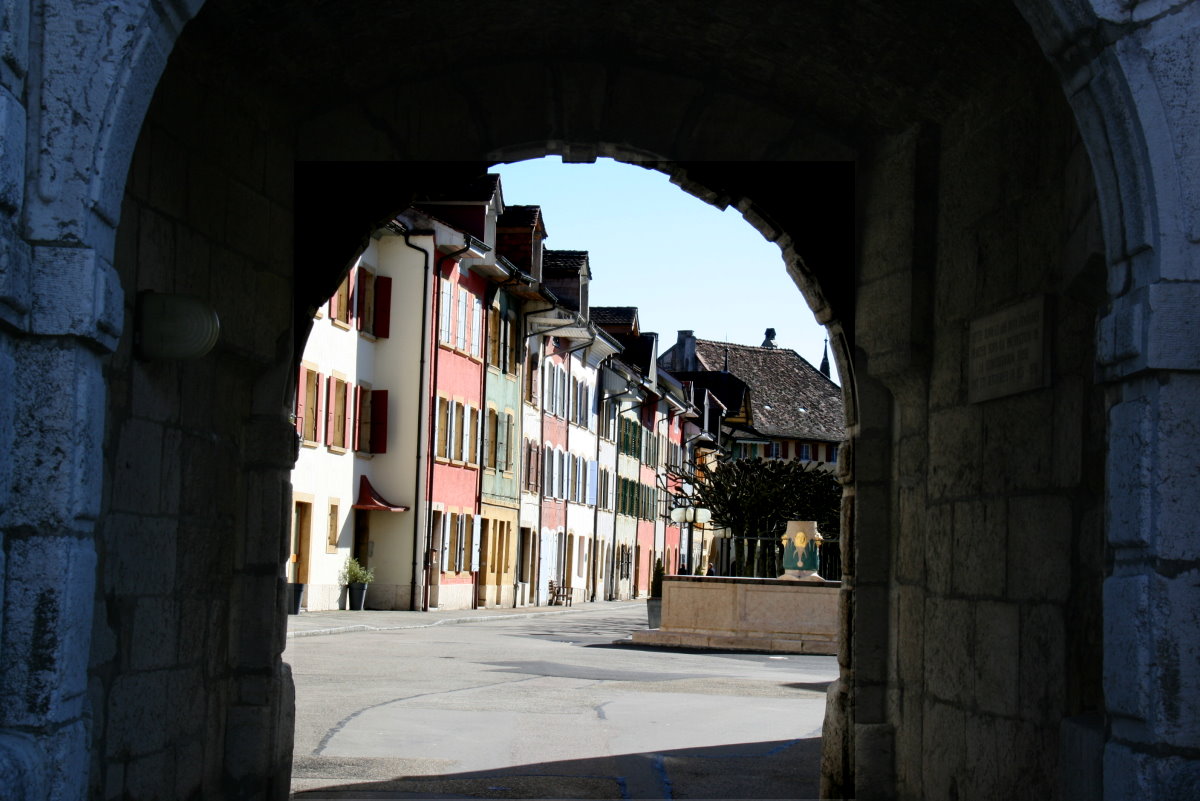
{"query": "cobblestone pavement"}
pixel 541 704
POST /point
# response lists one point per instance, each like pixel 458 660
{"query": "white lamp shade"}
pixel 678 514
pixel 703 515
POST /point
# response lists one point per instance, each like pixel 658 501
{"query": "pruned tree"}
pixel 755 498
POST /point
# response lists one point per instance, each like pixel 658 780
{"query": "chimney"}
pixel 685 351
pixel 769 341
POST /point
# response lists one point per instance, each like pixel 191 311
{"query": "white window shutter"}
pixel 476 528
pixel 462 542
pixel 592 483
pixel 445 539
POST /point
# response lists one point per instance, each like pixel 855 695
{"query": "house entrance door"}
pixel 301 534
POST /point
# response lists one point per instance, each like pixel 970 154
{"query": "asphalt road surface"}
pixel 548 707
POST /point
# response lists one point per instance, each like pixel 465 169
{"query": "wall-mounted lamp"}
pixel 173 327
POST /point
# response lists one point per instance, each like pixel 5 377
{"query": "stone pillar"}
pixel 1134 93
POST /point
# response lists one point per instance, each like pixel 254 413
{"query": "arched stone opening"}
pixel 220 723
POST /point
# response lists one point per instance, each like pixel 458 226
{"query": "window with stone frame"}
pixel 532 378
pixel 514 344
pixel 310 406
pixel 491 439
pixel 471 444
pixel 373 303
pixel 464 299
pixel 476 328
pixel 339 303
pixel 442 425
pixel 332 528
pixel 446 312
pixel 493 338
pixel 370 420
pixel 338 413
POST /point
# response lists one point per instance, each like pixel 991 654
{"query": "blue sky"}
pixel 683 263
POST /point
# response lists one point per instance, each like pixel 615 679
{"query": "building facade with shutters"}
pixel 353 477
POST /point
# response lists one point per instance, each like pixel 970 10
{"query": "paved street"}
pixel 545 706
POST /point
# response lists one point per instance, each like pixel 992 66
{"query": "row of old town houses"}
pixel 474 432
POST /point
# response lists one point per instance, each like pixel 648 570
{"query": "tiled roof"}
pixel 614 315
pixel 565 260
pixel 519 217
pixel 789 397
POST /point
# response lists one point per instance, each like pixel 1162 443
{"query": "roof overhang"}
pixel 568 327
pixel 371 500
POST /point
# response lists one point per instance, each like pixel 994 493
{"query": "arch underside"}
pixel 911 201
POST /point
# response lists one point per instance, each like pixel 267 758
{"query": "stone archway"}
pixel 207 710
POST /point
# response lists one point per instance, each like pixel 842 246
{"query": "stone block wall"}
pixel 185 685
pixel 992 574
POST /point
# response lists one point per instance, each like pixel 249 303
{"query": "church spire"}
pixel 825 360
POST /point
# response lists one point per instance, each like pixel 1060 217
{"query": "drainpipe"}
pixel 437 349
pixel 479 457
pixel 537 534
pixel 568 354
pixel 596 507
pixel 422 522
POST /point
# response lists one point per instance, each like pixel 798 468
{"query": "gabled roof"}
pixel 789 398
pixel 519 217
pixel 565 262
pixel 624 316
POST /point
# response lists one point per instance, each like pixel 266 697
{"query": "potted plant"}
pixel 654 602
pixel 356 578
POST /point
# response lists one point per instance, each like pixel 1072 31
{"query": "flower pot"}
pixel 358 596
pixel 654 612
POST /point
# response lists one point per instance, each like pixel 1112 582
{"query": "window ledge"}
pixel 345 326
pixel 335 449
pixel 367 335
pixel 310 443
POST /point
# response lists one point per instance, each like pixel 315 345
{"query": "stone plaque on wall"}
pixel 1007 351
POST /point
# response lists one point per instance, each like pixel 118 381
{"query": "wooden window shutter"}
pixel 383 306
pixel 360 298
pixel 357 395
pixel 317 405
pixel 301 400
pixel 330 409
pixel 351 296
pixel 379 421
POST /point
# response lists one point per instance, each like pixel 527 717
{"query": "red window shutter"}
pixel 348 431
pixel 383 306
pixel 330 408
pixel 301 399
pixel 351 297
pixel 379 420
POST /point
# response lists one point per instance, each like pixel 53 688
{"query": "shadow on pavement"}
pixel 782 769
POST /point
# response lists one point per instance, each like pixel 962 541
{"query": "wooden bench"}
pixel 560 596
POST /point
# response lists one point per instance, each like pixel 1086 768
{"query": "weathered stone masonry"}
pixel 1021 600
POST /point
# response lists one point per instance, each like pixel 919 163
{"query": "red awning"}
pixel 368 498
